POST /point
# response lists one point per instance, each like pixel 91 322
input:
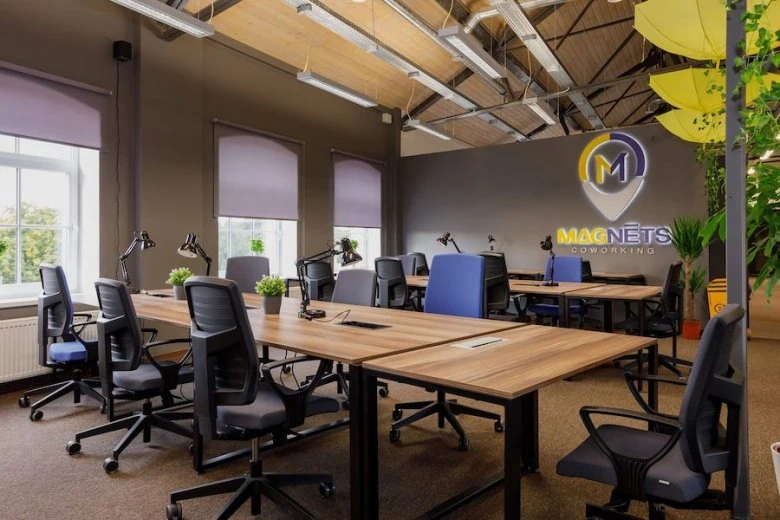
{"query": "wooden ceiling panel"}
pixel 472 130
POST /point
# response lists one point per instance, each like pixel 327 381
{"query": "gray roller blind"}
pixel 31 106
pixel 357 192
pixel 257 175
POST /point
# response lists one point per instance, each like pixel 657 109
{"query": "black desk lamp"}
pixel 348 256
pixel 547 245
pixel 446 238
pixel 191 248
pixel 146 243
pixel 491 241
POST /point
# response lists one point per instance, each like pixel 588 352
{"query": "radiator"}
pixel 19 347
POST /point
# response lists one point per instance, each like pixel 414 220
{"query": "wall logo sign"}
pixel 612 169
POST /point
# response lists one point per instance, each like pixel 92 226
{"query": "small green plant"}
pixel 270 286
pixel 257 246
pixel 3 246
pixel 178 276
pixel 352 242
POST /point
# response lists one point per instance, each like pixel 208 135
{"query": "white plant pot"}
pixel 776 459
pixel 178 292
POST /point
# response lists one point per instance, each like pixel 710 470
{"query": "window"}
pixel 40 211
pixel 280 238
pixel 357 199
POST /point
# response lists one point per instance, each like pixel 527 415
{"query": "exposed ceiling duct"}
pixel 323 16
pixel 517 20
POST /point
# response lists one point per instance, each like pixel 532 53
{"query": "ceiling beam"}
pixel 627 96
pixel 644 102
pixel 614 54
pixel 519 45
pixel 204 14
pixel 434 98
pixel 573 24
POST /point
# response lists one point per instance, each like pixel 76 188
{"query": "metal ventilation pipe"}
pixel 476 17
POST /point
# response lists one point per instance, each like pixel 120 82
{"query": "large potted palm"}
pixel 687 241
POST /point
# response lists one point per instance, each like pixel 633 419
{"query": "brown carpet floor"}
pixel 38 480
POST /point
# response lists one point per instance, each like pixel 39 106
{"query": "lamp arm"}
pixel 123 260
pixel 206 258
pixel 456 245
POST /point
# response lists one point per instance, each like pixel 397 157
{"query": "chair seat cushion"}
pixel 550 309
pixel 67 352
pixel 146 377
pixel 669 478
pixel 654 327
pixel 267 411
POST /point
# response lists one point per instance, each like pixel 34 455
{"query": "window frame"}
pixel 256 232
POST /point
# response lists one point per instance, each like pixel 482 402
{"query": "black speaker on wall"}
pixel 123 51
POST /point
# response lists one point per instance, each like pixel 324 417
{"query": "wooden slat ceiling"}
pixel 589 56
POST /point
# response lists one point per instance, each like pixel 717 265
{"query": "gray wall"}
pixel 170 93
pixel 521 192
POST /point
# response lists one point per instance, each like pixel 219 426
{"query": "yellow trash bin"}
pixel 716 295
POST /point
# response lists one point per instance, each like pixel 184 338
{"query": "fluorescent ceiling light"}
pixel 169 16
pixel 533 105
pixel 416 124
pixel 472 51
pixel 334 88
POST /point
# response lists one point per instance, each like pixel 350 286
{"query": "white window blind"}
pixel 49 110
pixel 257 175
pixel 357 192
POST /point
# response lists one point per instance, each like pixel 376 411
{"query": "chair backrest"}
pixel 409 263
pixel 700 408
pixel 119 334
pixel 671 294
pixel 496 281
pixel 392 290
pixel 567 269
pixel 319 280
pixel 355 287
pixel 246 271
pixel 224 353
pixel 55 309
pixel 420 264
pixel 587 271
pixel 456 285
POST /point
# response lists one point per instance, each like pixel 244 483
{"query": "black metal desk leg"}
pixel 530 425
pixel 652 369
pixel 514 442
pixel 609 321
pixel 563 311
pixel 363 445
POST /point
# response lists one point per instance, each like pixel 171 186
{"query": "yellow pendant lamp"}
pixel 690 88
pixel 696 28
pixel 694 126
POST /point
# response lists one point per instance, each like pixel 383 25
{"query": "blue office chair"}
pixel 567 269
pixel 456 287
pixel 59 345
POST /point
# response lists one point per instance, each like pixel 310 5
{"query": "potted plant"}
pixel 176 278
pixel 257 246
pixel 271 288
pixel 687 241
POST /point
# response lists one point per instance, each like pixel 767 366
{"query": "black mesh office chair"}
pixel 409 264
pixel 319 280
pixel 497 287
pixel 246 271
pixel 420 264
pixel 672 463
pixel 128 370
pixel 232 404
pixel 392 290
pixel 662 320
pixel 59 345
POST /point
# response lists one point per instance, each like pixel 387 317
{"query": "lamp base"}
pixel 549 283
pixel 311 314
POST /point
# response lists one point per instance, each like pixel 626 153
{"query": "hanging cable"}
pixel 408 115
pixel 449 13
pixel 116 171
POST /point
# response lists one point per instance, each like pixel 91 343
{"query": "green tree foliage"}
pixel 38 245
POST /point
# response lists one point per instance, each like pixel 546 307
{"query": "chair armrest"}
pixel 90 345
pixel 152 332
pixel 294 400
pixel 82 315
pixel 154 362
pixel 631 377
pixel 630 471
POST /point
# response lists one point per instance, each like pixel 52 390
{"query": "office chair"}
pixel 246 271
pixel 59 345
pixel 420 264
pixel 409 264
pixel 392 290
pixel 129 371
pixel 319 280
pixel 672 463
pixel 456 287
pixel 232 404
pixel 567 269
pixel 662 320
pixel 497 287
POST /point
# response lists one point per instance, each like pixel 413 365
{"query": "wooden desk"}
pixel 615 292
pixel 598 276
pixel 528 274
pixel 561 291
pixel 507 373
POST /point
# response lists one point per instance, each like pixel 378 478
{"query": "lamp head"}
pixel 188 249
pixel 146 241
pixel 348 255
pixel 444 239
pixel 547 244
pixel 491 239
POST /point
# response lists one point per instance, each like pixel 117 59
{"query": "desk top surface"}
pixel 618 292
pixel 520 286
pixel 329 339
pixel 524 360
pixel 519 271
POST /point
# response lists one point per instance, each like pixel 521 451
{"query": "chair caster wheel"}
pixel 327 489
pixel 24 402
pixel 345 405
pixel 191 449
pixel 463 444
pixel 498 426
pixel 73 447
pixel 397 415
pixel 103 408
pixel 173 511
pixel 37 415
pixel 384 392
pixel 395 435
pixel 110 465
pixel 286 369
